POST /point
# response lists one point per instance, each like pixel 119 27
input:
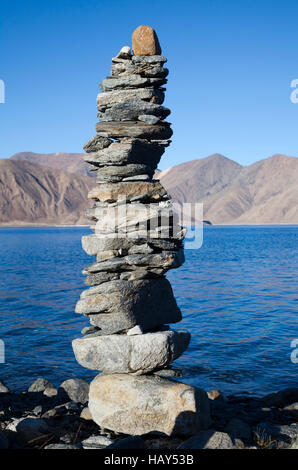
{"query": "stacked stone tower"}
pixel 136 240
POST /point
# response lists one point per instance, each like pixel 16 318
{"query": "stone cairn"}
pixel 136 240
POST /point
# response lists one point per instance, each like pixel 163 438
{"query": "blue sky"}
pixel 231 64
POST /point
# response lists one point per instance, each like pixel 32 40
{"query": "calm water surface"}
pixel 238 296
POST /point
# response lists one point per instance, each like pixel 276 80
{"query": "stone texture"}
pixel 120 305
pixel 61 446
pixel 136 330
pixel 145 41
pixel 124 53
pixel 137 405
pixel 85 414
pixel 130 81
pixel 210 439
pixel 134 129
pixel 76 389
pixel 214 394
pixel 97 143
pixel 50 392
pixel 139 354
pixel 144 191
pixel 168 372
pixel 96 442
pixel 138 151
pixel 143 60
pixel 131 109
pixel 114 174
pixel 40 385
pixel 149 119
pixel 92 244
pixel 107 99
pixel 159 263
pixel 98 278
pixel 125 68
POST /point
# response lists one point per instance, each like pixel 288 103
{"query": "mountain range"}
pixel 52 189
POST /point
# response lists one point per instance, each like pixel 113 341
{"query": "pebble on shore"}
pixel 33 420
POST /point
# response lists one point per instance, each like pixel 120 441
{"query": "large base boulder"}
pixel 137 405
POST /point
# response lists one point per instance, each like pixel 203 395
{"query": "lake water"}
pixel 237 293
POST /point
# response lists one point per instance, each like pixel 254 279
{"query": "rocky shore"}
pixel 46 417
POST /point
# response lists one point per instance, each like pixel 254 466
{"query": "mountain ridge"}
pixel 265 192
pixel 39 195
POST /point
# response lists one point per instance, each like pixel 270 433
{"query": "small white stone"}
pixel 125 53
pixel 136 330
pixel 96 442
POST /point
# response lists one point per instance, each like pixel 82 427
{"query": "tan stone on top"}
pixel 145 41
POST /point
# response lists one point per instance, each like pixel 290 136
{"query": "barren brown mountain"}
pixel 71 162
pixel 54 190
pixel 265 192
pixel 35 194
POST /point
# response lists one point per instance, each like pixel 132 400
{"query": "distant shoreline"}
pixel 88 226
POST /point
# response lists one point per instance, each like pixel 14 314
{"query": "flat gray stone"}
pixel 131 109
pixel 137 405
pixel 124 67
pixel 130 81
pixel 113 173
pixel 159 263
pixel 92 244
pixel 139 354
pixel 136 152
pixel 95 279
pixel 107 99
pixel 62 446
pixel 148 59
pixel 134 129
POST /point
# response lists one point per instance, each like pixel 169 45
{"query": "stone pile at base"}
pixel 137 239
